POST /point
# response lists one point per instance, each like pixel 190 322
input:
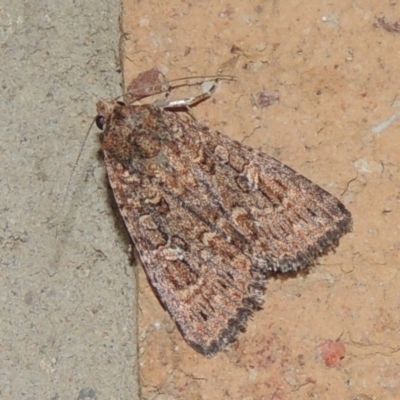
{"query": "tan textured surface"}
pixel 337 76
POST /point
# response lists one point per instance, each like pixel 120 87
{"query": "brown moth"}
pixel 210 216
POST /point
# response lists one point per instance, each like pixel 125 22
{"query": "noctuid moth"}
pixel 210 216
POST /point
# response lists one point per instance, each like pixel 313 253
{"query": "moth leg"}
pixel 189 101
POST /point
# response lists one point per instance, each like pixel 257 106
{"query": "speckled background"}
pixel 337 76
pixel 67 321
pixel 68 311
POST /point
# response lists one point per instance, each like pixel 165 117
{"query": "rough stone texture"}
pixel 67 327
pixel 337 78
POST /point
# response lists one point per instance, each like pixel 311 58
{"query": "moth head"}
pixel 104 111
pixel 100 122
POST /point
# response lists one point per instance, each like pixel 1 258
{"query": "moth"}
pixel 210 217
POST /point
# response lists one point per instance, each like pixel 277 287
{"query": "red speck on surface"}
pixel 332 352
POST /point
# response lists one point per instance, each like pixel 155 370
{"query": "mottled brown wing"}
pixel 210 216
pixel 287 220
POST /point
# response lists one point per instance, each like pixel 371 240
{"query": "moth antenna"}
pixel 73 174
pixel 169 85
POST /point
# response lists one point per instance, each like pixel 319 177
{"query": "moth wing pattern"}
pixel 210 217
pixel 289 220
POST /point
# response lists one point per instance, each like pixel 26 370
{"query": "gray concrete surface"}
pixel 67 326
